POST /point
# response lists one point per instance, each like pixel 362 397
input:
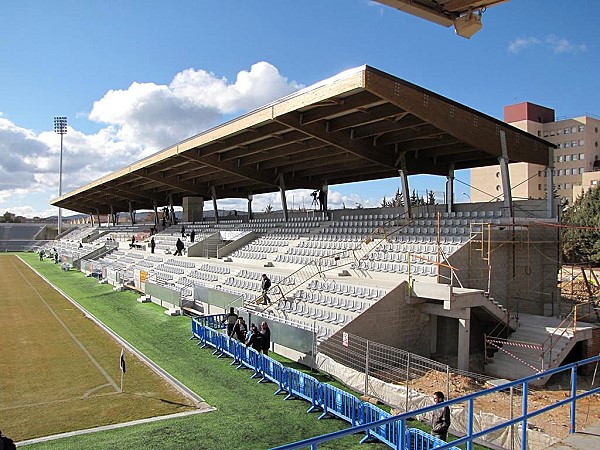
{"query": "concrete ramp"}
pixel 539 343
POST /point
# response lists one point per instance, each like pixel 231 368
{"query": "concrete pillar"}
pixel 283 199
pixel 464 334
pixel 131 214
pixel 506 188
pixel 193 209
pixel 433 332
pixel 405 193
pixel 213 192
pixel 171 211
pixel 249 207
pixel 155 207
pixel 450 189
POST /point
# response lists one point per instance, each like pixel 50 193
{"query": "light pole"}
pixel 467 195
pixel 60 127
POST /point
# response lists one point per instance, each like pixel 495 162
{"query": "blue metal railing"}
pixel 365 417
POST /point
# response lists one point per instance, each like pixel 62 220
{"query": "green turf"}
pixel 248 415
pixel 60 371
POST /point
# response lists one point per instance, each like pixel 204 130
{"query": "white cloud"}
pixel 553 43
pixel 160 115
pixel 559 45
pixel 519 44
pixel 139 121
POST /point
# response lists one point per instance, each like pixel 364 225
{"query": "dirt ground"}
pixel 554 423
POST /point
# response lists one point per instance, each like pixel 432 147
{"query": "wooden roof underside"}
pixel 356 126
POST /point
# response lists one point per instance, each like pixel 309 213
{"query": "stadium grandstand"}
pixel 463 288
pixel 23 237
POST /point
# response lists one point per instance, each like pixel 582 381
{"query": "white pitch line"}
pixel 85 350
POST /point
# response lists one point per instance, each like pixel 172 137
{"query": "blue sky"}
pixel 135 76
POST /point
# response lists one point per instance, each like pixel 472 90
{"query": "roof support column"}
pixel 131 214
pixel 404 187
pixel 249 207
pixel 550 184
pixel 98 215
pixel 213 192
pixel 464 333
pixel 283 199
pixel 172 220
pixel 112 215
pixel 506 188
pixel 450 189
pixel 193 209
pixel 92 219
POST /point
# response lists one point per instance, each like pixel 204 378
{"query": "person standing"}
pixel 440 418
pixel 265 285
pixel 240 329
pixel 231 320
pixel 152 245
pixel 265 332
pixel 182 231
pixel 192 235
pixel 254 339
pixel 179 245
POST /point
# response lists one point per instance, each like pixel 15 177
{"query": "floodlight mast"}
pixel 60 127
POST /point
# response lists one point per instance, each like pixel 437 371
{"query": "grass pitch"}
pixel 247 415
pixel 60 372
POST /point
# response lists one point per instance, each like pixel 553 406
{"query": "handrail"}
pixel 472 435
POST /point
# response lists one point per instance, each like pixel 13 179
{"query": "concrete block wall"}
pixel 392 322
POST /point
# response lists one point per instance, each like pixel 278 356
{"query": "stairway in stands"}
pixel 539 343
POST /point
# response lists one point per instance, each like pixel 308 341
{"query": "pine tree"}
pixel 581 242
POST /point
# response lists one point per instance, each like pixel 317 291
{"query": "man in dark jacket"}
pixel 265 285
pixel 440 418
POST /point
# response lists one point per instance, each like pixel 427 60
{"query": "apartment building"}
pixel 576 158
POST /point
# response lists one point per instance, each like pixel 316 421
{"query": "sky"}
pixel 136 76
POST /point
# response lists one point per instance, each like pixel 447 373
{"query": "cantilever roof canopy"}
pixel 356 126
pixel 443 12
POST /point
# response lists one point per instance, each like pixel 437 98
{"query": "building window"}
pixel 573 129
pixel 539 187
pixel 559 173
pixel 498 187
pixel 574 171
pixel 567 158
pixel 539 133
pixel 559 186
pixel 581 127
pixel 567 185
pixel 573 143
pixel 560 158
pixel 551 132
pixel 581 156
pixel 545 134
pixel 566 145
pixel 539 173
pixel 559 145
pixel 581 142
pixel 574 157
pixel 581 170
pixel 567 130
pixel 594 182
pixel 497 174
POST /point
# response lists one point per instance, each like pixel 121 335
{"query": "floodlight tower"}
pixel 60 127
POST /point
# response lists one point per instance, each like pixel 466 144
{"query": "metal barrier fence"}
pixel 389 364
pixel 329 399
pixel 411 439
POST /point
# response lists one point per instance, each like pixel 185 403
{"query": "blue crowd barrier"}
pixel 299 384
pixel 387 433
pixel 340 403
pixel 330 399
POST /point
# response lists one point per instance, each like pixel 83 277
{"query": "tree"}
pixel 269 209
pixel 394 202
pixel 581 236
pixel 430 198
